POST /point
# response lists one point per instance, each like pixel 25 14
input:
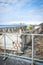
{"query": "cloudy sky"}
pixel 21 11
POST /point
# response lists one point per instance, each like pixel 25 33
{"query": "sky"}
pixel 21 11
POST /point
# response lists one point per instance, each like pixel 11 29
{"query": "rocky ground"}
pixel 38 48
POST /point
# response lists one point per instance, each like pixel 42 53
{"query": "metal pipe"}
pixel 32 49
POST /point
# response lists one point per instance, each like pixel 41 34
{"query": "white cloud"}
pixel 19 22
pixel 15 4
pixel 34 15
pixel 5 9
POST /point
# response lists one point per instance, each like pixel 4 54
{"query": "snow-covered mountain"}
pixel 13 25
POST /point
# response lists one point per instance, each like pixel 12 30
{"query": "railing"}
pixel 33 37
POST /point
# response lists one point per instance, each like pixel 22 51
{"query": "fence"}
pixel 31 46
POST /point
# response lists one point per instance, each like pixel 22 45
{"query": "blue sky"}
pixel 21 11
